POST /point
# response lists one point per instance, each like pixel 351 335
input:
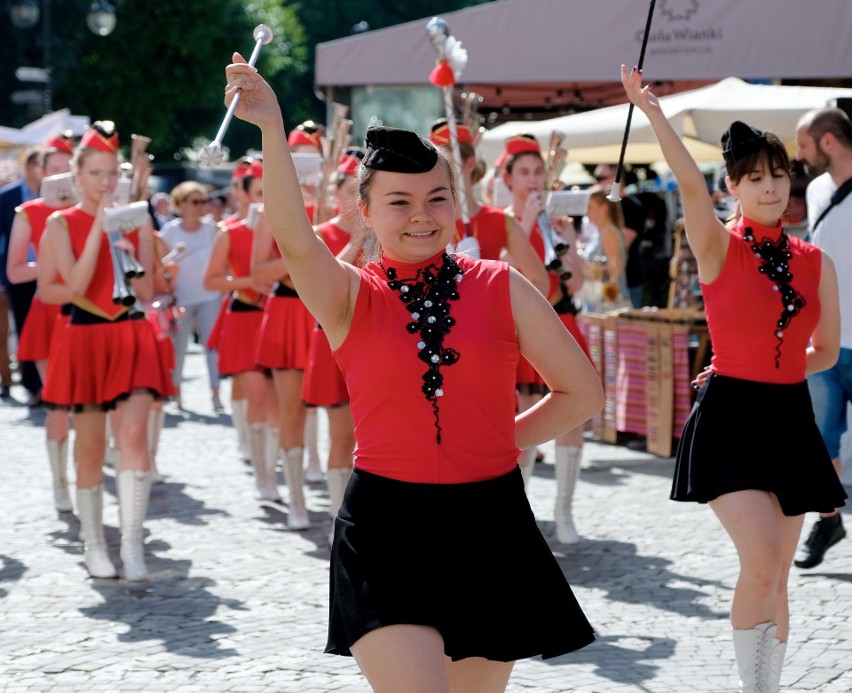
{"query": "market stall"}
pixel 646 359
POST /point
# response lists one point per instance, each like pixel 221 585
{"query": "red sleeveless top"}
pixel 98 296
pixel 488 226
pixel 395 425
pixel 754 333
pixel 240 238
pixel 335 237
pixel 36 212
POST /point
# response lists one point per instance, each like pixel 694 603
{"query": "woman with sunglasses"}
pixel 189 200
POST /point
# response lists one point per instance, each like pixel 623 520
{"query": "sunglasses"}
pixel 198 203
pixel 601 179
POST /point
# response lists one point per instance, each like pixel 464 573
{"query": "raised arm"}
pixel 326 286
pixel 708 238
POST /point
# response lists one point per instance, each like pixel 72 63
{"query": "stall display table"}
pixel 646 359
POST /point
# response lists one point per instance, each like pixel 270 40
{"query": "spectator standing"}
pixel 201 306
pixel 824 140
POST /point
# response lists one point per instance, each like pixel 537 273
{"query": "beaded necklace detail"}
pixel 774 259
pixel 427 297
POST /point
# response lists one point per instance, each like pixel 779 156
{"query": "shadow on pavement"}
pixel 172 608
pixel 614 472
pixel 11 570
pixel 635 656
pixel 275 515
pixel 615 568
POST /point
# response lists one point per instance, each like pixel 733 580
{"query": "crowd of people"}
pixel 371 294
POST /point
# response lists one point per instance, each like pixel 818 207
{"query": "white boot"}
pixel 57 454
pixel 313 473
pixel 155 426
pixel 257 446
pixel 270 479
pixel 338 478
pixel 527 461
pixel 773 656
pixel 750 652
pixel 90 510
pixel 239 411
pixel 567 463
pixel 134 489
pixel 297 517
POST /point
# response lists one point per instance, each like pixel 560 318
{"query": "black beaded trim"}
pixel 775 265
pixel 427 298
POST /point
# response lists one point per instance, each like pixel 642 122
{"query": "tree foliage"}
pixel 160 73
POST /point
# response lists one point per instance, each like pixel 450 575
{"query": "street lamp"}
pixel 25 14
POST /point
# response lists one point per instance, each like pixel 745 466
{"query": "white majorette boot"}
pixel 773 656
pixel 90 510
pixel 270 472
pixel 527 456
pixel 567 462
pixel 337 480
pixel 239 410
pixel 110 450
pixel 57 454
pixel 297 517
pixel 257 446
pixel 155 427
pixel 313 472
pixel 750 652
pixel 134 489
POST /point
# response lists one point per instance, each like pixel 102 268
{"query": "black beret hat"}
pixel 740 140
pixel 399 151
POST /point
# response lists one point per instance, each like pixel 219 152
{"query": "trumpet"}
pixel 117 221
pixel 333 146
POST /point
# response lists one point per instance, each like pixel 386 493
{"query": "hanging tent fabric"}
pixel 699 116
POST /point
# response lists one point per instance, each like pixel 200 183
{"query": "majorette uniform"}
pixel 528 377
pixel 36 335
pixel 103 356
pixel 408 544
pixel 323 384
pixel 285 333
pixel 752 425
pixel 239 324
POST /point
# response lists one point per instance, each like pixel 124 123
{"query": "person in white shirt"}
pixel 190 201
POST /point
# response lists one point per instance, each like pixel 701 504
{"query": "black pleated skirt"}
pixel 743 434
pixel 456 557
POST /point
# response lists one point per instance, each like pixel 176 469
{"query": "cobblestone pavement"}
pixel 238 603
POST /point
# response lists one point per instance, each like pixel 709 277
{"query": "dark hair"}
pixel 833 120
pixel 773 155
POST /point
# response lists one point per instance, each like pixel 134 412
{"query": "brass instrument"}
pixel 140 160
pixel 554 246
pixel 333 145
pixel 118 221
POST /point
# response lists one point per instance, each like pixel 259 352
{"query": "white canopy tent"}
pixel 699 116
pixel 43 129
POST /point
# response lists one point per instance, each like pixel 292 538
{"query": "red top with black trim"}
pixel 743 306
pixel 98 296
pixel 394 422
